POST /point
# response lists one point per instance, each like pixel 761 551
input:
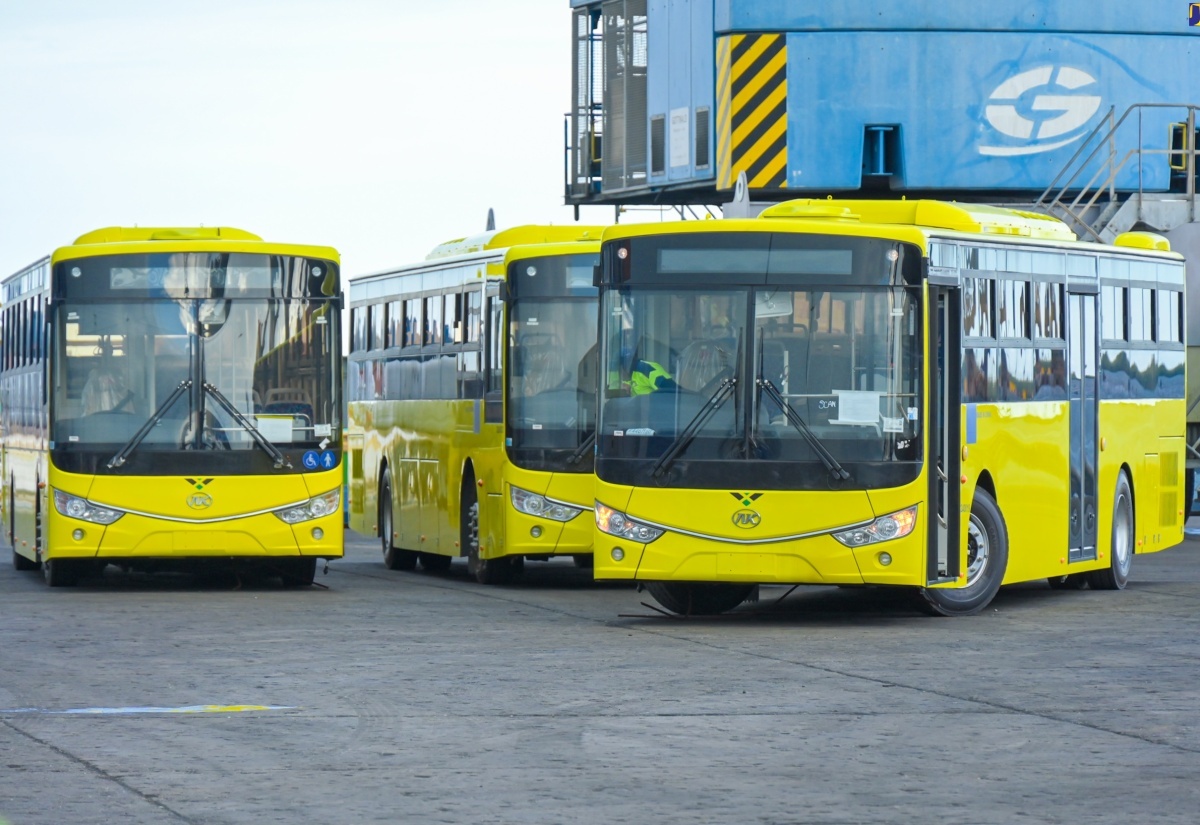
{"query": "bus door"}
pixel 945 433
pixel 1081 392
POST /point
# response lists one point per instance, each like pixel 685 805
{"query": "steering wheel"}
pixel 211 438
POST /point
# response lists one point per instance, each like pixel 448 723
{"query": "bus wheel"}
pixel 699 599
pixel 299 572
pixel 484 571
pixel 1116 575
pixel 60 572
pixel 987 559
pixel 394 558
pixel 584 561
pixel 1071 581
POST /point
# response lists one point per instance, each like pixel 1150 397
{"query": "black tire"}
pixel 484 571
pixel 1189 492
pixel 987 559
pixel 584 561
pixel 699 599
pixel 60 572
pixel 1071 581
pixel 298 572
pixel 1120 554
pixel 394 558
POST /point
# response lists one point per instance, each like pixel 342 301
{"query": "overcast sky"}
pixel 380 127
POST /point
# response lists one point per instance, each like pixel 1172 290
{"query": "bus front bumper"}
pixel 819 559
pixel 532 536
pixel 136 536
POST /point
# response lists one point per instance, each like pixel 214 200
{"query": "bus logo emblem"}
pixel 746 498
pixel 199 501
pixel 746 519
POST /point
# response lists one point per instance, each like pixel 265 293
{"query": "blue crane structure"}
pixel 1083 109
pixel 673 98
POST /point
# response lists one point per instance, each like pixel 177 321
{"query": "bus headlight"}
pixel 84 510
pixel 885 528
pixel 616 523
pixel 317 507
pixel 534 505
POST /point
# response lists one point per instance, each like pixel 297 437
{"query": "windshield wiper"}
pixel 581 451
pixel 721 394
pixel 151 422
pixel 280 459
pixel 831 463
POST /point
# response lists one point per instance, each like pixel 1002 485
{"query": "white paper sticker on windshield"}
pixel 275 428
pixel 893 425
pixel 856 407
pixel 322 430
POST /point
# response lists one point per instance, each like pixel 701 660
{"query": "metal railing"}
pixel 1076 198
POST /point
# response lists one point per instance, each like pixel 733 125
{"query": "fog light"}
pixel 77 535
pixel 535 531
pixel 617 554
pixel 318 533
pixel 885 559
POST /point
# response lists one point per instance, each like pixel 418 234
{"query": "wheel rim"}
pixel 977 550
pixel 1122 535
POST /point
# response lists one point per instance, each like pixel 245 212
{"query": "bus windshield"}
pixel 119 363
pixel 552 383
pixel 764 387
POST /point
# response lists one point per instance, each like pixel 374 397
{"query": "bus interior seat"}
pixel 289 401
pixel 829 364
pixel 542 368
pixel 292 394
pixel 703 361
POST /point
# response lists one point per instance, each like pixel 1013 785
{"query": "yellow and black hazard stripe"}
pixel 752 110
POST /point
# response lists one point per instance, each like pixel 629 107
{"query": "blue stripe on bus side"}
pixel 971 423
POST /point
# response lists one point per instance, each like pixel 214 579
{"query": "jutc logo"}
pixel 1040 110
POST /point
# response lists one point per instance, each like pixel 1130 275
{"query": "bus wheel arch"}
pixel 500 570
pixel 394 558
pixel 987 560
pixel 986 482
pixel 1122 542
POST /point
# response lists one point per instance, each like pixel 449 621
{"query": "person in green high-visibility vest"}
pixel 648 377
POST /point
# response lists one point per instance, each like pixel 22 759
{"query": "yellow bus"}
pixel 171 399
pixel 927 395
pixel 472 387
